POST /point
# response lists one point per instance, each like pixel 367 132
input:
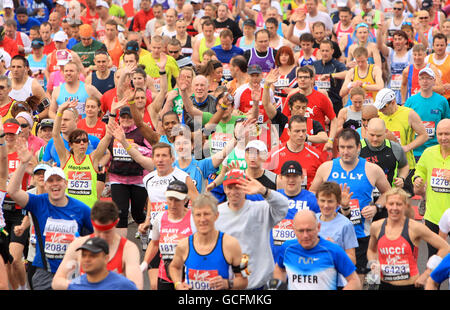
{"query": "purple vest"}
pixel 266 63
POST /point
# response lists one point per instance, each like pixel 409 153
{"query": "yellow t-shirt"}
pixel 152 70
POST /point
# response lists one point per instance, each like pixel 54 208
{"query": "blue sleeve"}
pixel 343 263
pixel 207 167
pixel 279 260
pixel 47 156
pixel 349 236
pixel 312 203
pixel 33 201
pixel 442 271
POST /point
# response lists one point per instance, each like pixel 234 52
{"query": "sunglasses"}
pixel 24 125
pixel 78 141
pixel 398 9
pixel 173 52
pixel 2 87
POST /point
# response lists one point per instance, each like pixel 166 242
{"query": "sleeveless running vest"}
pixel 201 268
pixel 170 234
pixel 396 69
pixel 384 158
pixel 444 69
pixel 23 93
pixel 81 180
pixel 362 192
pixel 398 258
pixel 122 163
pixel 103 85
pixel 413 86
pixel 116 263
pixel 266 63
pixel 80 94
pixel 203 48
pixel 368 79
pixel 35 66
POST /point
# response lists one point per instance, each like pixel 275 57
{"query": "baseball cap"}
pixel 46 122
pixel 233 176
pixel 254 69
pixel 41 167
pixel 11 128
pixel 249 22
pixel 132 46
pixel 86 30
pixel 428 71
pixel 177 189
pixel 427 4
pixel 62 57
pixel 95 245
pixel 37 43
pixel 61 2
pixel 291 166
pixel 21 10
pixel 60 36
pixel 8 4
pixel 125 110
pixel 257 144
pixel 196 1
pixel 383 97
pixel 54 171
pixel 102 3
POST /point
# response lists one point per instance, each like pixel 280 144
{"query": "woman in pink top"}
pixel 26 124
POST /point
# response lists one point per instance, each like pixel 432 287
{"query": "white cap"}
pixel 61 2
pixel 60 36
pixel 428 71
pixel 341 3
pixel 257 144
pixel 54 171
pixel 8 4
pixel 383 97
pixel 102 3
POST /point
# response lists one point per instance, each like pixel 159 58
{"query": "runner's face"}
pixel 25 131
pixel 200 89
pixel 38 177
pixel 208 31
pixel 101 62
pixel 262 42
pixel 348 151
pixel 204 218
pixel 234 194
pixel 138 81
pixel 299 108
pixel 162 159
pixel 362 34
pixel 272 29
pixel 17 68
pixel 183 147
pixel 361 62
pixel 306 231
pixel 253 158
pixel 157 12
pixel 126 121
pixel 399 42
pixel 93 263
pixel 168 123
pixel 107 235
pixel 304 80
pixel 344 17
pixel 396 207
pixel 111 32
pixel 292 182
pixel 357 101
pixel 376 136
pixel 426 82
pixel 68 122
pixel 129 60
pixel 439 47
pixel 306 45
pixel 443 135
pixel 398 9
pixel 70 73
pixel 284 59
pixel 326 51
pixel 170 17
pixel 446 28
pixel 10 31
pixel 156 48
pixel 226 43
pixel 255 79
pixel 140 99
pixel 45 33
pixel 327 204
pixel 91 108
pixel 249 31
pixel 175 205
pixel 419 57
pixel 181 27
pixel 297 133
pixel 45 133
pixel 4 90
pixel 318 33
pixel 222 12
pixel 423 18
pixel 55 187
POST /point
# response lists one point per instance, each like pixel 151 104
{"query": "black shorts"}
pixel 14 218
pixel 385 286
pixel 361 255
pixel 155 261
pixel 4 249
pixel 163 285
pixel 101 177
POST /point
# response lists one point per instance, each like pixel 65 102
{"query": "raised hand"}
pixel 272 77
pixel 346 195
pixel 162 62
pixel 23 153
pixel 251 186
pixel 71 103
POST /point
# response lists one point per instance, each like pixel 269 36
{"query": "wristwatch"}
pixel 379 207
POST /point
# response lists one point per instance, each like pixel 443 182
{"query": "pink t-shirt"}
pixel 57 78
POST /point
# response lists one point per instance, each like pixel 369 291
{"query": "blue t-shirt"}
pixel 56 223
pixel 199 170
pixel 442 271
pixel 51 154
pixel 431 111
pixel 283 231
pixel 113 281
pixel 25 28
pixel 316 268
pixel 72 42
pixel 225 56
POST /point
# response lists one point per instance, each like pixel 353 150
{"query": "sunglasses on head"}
pixel 79 140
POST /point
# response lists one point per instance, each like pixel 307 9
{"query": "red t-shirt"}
pixel 49 48
pixel 108 97
pixel 99 130
pixel 319 106
pixel 310 159
pixel 10 46
pixel 141 18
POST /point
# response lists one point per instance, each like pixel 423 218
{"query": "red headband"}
pixel 104 227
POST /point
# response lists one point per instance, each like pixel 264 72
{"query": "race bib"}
pixel 119 152
pixel 226 72
pixel 395 271
pixel 430 127
pixel 323 81
pixel 355 212
pixel 438 183
pixel 167 245
pixel 282 83
pixel 283 231
pixel 368 99
pixel 79 183
pixel 156 208
pixel 58 235
pixel 199 279
pixel 396 82
pixel 186 51
pixel 157 83
pixel 219 141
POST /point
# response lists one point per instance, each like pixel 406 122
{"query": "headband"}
pixel 104 227
pixel 26 116
pixel 361 25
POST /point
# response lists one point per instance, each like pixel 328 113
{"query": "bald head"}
pixel 443 134
pixel 305 216
pixel 367 113
pixel 306 228
pixel 376 124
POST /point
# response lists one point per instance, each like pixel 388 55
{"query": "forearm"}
pixel 151 251
pixel 418 141
pixel 60 283
pixel 240 283
pixel 321 137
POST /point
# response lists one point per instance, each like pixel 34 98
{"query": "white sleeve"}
pixel 444 223
pixel 26 43
pixel 156 226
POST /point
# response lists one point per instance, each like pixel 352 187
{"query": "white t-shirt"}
pixel 444 223
pixel 320 17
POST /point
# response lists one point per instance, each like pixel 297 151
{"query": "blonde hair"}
pixel 206 200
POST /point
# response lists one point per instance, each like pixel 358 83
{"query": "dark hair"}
pixel 168 113
pixel 226 33
pixel 112 22
pixel 305 69
pixel 328 189
pixel 318 24
pixel 272 21
pixel 329 42
pixel 77 133
pixel 284 50
pixel 24 60
pixel 47 24
pixel 307 37
pixel 210 67
pixel 240 62
pixel 344 9
pixel 162 145
pixel 208 22
pixel 401 33
pixel 296 119
pixel 440 36
pixel 128 52
pixel 104 211
pixel 297 97
pixel 350 134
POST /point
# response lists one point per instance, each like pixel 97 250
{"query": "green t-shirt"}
pixel 152 69
pixel 116 10
pixel 87 53
pixel 224 132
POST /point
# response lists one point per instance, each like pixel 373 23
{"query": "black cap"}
pixel 291 166
pixel 427 4
pixel 132 46
pixel 37 43
pixel 95 245
pixel 21 10
pixel 46 122
pixel 249 22
pixel 125 110
pixel 177 189
pixel 254 69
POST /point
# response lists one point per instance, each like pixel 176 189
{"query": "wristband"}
pixel 131 102
pixel 162 72
pixel 330 140
pixel 143 266
pixel 128 148
pixel 433 262
pixel 112 115
pixel 2 144
pixel 2 135
pixel 267 191
pixel 266 87
pixel 176 284
pixel 345 209
pixel 59 114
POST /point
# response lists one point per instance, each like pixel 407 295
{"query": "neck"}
pixel 166 172
pixel 102 74
pixel 183 162
pixel 236 206
pixel 60 202
pixel 306 91
pixel 5 101
pixel 293 193
pixel 254 172
pixel 327 218
pixel 445 152
pixel 98 277
pixel 91 121
pixel 177 214
pixel 426 93
pixel 439 57
pixel 40 189
pixel 349 167
pixel 241 78
pixel 205 239
pixel 201 99
pixel 294 147
pixel 79 157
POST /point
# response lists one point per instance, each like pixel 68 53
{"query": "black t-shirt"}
pixel 232 25
pixel 281 120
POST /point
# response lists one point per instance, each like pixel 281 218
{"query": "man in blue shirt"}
pixel 24 23
pixel 94 261
pixel 226 50
pixel 431 107
pixel 312 263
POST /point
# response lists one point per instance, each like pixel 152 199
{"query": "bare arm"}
pixel 61 150
pixel 419 128
pixel 177 264
pixel 131 262
pixel 353 282
pixel 68 264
